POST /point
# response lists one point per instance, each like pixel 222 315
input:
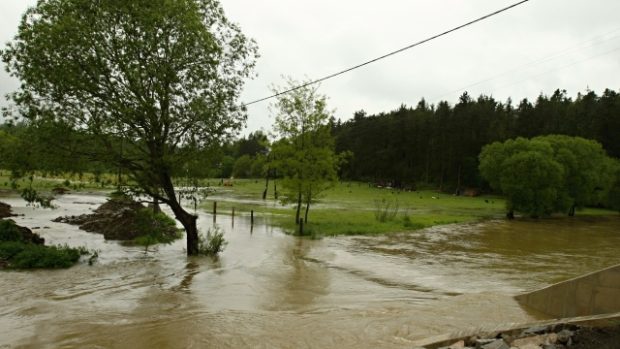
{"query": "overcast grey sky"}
pixel 536 47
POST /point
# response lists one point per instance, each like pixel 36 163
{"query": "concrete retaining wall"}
pixel 592 294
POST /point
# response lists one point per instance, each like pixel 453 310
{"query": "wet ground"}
pixel 272 290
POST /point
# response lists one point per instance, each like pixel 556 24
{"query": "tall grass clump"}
pixel 386 210
pixel 212 243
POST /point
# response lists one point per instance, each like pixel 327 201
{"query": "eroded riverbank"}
pixel 269 289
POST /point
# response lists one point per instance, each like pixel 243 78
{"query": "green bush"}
pixel 19 255
pixel 9 231
pixel 155 228
pixel 38 256
pixel 10 249
pixel 34 198
pixel 212 243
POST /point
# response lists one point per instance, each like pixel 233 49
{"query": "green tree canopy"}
pixel 548 174
pixel 304 156
pixel 163 76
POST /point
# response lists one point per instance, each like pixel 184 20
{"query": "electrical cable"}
pixel 559 68
pixel 597 40
pixel 389 54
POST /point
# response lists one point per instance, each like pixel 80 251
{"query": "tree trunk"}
pixel 189 223
pixel 187 219
pixel 156 208
pixel 307 209
pixel 275 185
pixel 458 182
pixel 266 186
pixel 441 176
pixel 571 211
pixel 298 208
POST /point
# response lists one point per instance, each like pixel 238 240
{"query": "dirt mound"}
pixel 557 336
pixel 120 218
pixel 60 191
pixel 5 210
pixel 597 338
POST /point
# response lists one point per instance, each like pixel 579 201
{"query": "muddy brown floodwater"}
pixel 270 290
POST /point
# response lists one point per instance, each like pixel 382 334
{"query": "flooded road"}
pixel 270 290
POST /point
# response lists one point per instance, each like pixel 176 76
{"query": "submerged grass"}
pixel 355 208
pixel 352 208
pixel 46 182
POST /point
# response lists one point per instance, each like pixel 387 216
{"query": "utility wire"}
pixel 597 40
pixel 389 54
pixel 559 68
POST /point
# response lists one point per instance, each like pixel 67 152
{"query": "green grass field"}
pixel 349 208
pixel 353 208
pixel 76 182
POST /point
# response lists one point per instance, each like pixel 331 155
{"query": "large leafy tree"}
pixel 589 172
pixel 304 156
pixel 162 76
pixel 548 174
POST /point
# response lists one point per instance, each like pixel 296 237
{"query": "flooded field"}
pixel 270 290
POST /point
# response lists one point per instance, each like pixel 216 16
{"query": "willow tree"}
pixel 161 76
pixel 548 174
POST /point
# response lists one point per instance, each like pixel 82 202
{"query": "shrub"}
pixel 155 228
pixel 10 249
pixel 16 253
pixel 9 231
pixel 19 255
pixel 212 243
pixel 385 210
pixel 37 256
pixel 34 198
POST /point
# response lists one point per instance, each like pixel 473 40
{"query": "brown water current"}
pixel 270 290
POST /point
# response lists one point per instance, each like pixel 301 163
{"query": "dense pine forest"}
pixel 439 144
pixel 434 146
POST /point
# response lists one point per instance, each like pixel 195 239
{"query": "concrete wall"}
pixel 592 294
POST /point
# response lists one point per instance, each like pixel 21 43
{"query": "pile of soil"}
pixel 115 219
pixel 558 336
pixel 60 191
pixel 5 210
pixel 599 338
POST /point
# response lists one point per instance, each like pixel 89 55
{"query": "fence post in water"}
pixel 252 217
pixel 233 217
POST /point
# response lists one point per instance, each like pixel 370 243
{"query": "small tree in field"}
pixel 305 156
pixel 152 81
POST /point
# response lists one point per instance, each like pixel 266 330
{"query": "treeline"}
pixel 439 144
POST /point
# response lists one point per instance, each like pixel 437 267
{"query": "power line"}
pixel 389 54
pixel 560 68
pixel 597 40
